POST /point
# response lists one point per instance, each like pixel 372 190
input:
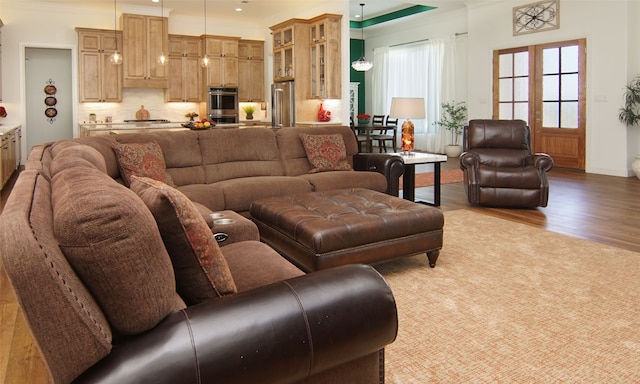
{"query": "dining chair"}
pixel 387 134
pixel 361 139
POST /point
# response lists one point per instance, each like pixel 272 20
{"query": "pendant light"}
pixel 162 59
pixel 115 58
pixel 204 62
pixel 362 64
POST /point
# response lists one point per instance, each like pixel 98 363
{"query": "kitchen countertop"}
pixel 141 125
pixel 4 129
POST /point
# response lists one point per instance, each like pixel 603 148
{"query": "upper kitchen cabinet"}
pixel 290 50
pixel 185 79
pixel 145 38
pixel 251 70
pixel 223 61
pixel 325 57
pixel 100 80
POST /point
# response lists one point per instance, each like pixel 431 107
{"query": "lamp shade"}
pixel 407 108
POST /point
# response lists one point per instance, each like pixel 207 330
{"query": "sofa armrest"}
pixel 280 333
pixel 390 166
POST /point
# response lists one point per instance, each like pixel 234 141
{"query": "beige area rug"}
pixel 510 303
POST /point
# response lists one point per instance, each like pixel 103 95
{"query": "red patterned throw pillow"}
pixel 201 270
pixel 326 152
pixel 142 159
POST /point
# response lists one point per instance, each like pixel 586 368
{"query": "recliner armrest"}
pixel 280 333
pixel 391 166
pixel 541 161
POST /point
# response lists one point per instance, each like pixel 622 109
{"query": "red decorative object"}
pixel 3 112
pixel 323 115
pixel 363 116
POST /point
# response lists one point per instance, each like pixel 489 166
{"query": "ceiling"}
pixel 255 9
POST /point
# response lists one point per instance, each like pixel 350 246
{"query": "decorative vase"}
pixel 635 165
pixel 249 116
pixel 363 122
pixel 453 150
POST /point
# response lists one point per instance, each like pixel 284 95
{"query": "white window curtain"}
pixel 425 69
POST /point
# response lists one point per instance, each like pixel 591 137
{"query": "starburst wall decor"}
pixel 536 17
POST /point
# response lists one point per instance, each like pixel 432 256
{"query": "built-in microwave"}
pixel 222 104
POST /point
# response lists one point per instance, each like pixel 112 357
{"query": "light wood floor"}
pixel 604 209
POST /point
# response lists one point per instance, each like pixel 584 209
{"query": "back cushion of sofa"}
pixel 102 144
pixel 234 153
pixel 181 153
pixel 77 155
pixel 112 241
pixel 293 154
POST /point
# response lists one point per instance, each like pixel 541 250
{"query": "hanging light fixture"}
pixel 204 62
pixel 362 64
pixel 162 59
pixel 115 58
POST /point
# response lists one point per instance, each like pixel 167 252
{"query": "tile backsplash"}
pixel 132 99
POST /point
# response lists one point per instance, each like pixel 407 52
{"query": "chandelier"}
pixel 362 64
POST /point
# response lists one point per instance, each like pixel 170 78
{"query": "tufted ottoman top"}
pixel 345 218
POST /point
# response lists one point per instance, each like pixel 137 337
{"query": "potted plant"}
pixel 454 117
pixel 630 113
pixel 249 110
pixel 363 118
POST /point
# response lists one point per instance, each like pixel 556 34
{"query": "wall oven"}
pixel 222 104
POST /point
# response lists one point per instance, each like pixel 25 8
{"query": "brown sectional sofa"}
pixel 274 330
pixel 231 168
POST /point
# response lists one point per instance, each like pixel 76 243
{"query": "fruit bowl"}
pixel 199 125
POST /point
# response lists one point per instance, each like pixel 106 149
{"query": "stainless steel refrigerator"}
pixel 283 108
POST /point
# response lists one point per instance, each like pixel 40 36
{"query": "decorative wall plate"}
pixel 50 89
pixel 50 101
pixel 51 112
pixel 536 17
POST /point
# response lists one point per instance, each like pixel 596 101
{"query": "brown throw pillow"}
pixel 141 159
pixel 109 237
pixel 326 152
pixel 200 267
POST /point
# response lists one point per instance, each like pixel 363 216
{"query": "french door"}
pixel 544 85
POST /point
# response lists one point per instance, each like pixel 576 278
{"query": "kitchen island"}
pixel 95 129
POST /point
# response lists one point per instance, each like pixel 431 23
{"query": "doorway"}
pixel 545 85
pixel 48 95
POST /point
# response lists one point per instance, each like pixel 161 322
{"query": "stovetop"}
pixel 148 121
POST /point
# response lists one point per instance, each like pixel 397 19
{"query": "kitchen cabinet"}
pixel 251 71
pixel 185 76
pixel 100 80
pixel 325 57
pixel 290 50
pixel 144 39
pixel 223 61
pixel 8 155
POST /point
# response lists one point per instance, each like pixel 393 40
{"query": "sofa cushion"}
pixel 326 152
pixel 141 159
pixel 200 268
pixel 111 240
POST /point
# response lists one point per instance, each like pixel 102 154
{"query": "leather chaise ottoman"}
pixel 320 230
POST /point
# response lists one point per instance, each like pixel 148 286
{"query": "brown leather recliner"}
pixel 499 168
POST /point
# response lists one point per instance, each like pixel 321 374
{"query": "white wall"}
pixel 604 24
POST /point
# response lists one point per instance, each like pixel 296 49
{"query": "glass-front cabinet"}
pixel 288 39
pixel 325 57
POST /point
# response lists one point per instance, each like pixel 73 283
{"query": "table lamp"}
pixel 407 108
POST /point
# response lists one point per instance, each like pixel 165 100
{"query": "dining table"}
pixel 368 129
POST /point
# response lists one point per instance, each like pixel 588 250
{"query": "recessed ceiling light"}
pixel 238 9
pixel 155 1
